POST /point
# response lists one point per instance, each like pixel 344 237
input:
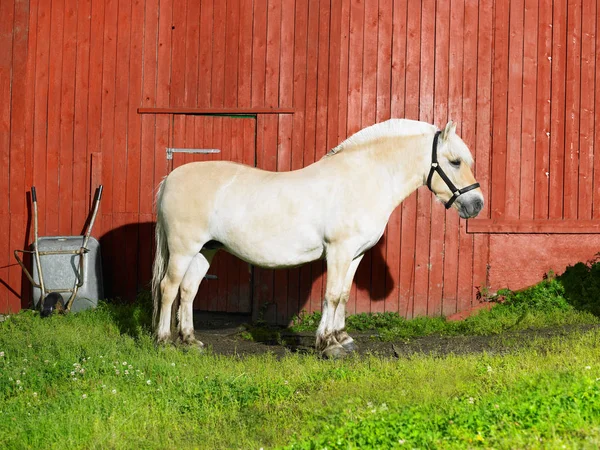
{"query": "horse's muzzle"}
pixel 470 207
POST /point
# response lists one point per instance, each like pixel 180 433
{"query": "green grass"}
pixel 96 380
pixel 544 305
pixel 63 383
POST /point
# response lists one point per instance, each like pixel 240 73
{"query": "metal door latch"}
pixel 170 151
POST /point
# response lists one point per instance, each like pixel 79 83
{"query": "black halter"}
pixel 435 167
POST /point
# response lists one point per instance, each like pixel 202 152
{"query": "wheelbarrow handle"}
pixel 98 195
pixel 33 195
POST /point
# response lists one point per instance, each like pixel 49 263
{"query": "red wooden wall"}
pixel 93 92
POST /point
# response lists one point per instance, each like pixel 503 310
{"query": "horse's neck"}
pixel 400 163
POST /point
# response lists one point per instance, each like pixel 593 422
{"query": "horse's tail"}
pixel 161 258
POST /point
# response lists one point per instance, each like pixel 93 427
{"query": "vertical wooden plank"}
pixel 368 107
pixel 134 120
pixel 107 133
pixel 54 124
pixel 343 76
pixel 438 214
pixel 222 140
pixel 530 55
pixel 13 113
pixel 18 99
pixel 121 107
pixel 245 55
pixel 162 127
pixel 148 140
pixel 320 147
pixel 306 272
pixel 82 88
pixel 249 154
pixel 67 111
pixel 178 69
pixel 333 96
pixel 500 113
pixel 231 52
pixel 205 53
pixel 572 101
pixel 398 69
pixel 557 126
pixel 259 53
pixel 542 132
pixel 466 292
pixel 589 14
pixel 455 94
pixel 483 137
pixel 94 113
pixel 423 234
pixel 178 56
pixel 218 55
pixel 7 12
pixel 17 240
pixel 233 269
pixel 596 181
pixel 409 206
pixel 354 119
pixel 287 297
pixel 299 102
pixel 380 272
pixel 515 96
pixel 41 109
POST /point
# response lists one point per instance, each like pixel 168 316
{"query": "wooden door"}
pixel 228 286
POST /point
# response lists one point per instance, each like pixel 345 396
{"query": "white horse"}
pixel 336 208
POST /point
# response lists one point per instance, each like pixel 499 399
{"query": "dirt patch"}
pixel 230 336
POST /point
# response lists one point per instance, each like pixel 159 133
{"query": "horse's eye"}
pixel 455 163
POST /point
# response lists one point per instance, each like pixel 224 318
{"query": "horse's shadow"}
pixel 128 254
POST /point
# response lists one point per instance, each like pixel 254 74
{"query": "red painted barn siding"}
pixel 520 78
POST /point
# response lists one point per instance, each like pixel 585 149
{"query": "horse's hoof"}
pixel 192 342
pixel 162 340
pixel 334 352
pixel 350 346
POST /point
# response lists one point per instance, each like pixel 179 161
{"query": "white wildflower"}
pixel 471 400
pixel 124 363
pixel 72 373
pixel 148 382
pixel 588 367
pixel 18 381
pixel 173 364
pixel 126 372
pixel 35 394
pixel 84 396
pixel 1 354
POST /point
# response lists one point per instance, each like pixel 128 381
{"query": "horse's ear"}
pixel 450 129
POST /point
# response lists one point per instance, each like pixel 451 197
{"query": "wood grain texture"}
pixel 97 90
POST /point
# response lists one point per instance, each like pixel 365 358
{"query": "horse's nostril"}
pixel 477 205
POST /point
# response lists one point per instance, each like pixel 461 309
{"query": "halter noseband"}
pixel 435 167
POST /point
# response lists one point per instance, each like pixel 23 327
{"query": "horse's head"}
pixel 450 177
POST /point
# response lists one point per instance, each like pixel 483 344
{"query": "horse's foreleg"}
pixel 339 321
pixel 337 267
pixel 188 290
pixel 169 287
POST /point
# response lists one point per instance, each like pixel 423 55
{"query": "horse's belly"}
pixel 274 253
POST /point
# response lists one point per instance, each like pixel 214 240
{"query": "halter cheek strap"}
pixel 435 167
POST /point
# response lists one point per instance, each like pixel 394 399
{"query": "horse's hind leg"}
pixel 188 290
pixel 169 287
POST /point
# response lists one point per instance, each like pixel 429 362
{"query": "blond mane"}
pixel 389 128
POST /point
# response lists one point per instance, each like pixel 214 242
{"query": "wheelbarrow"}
pixel 65 268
